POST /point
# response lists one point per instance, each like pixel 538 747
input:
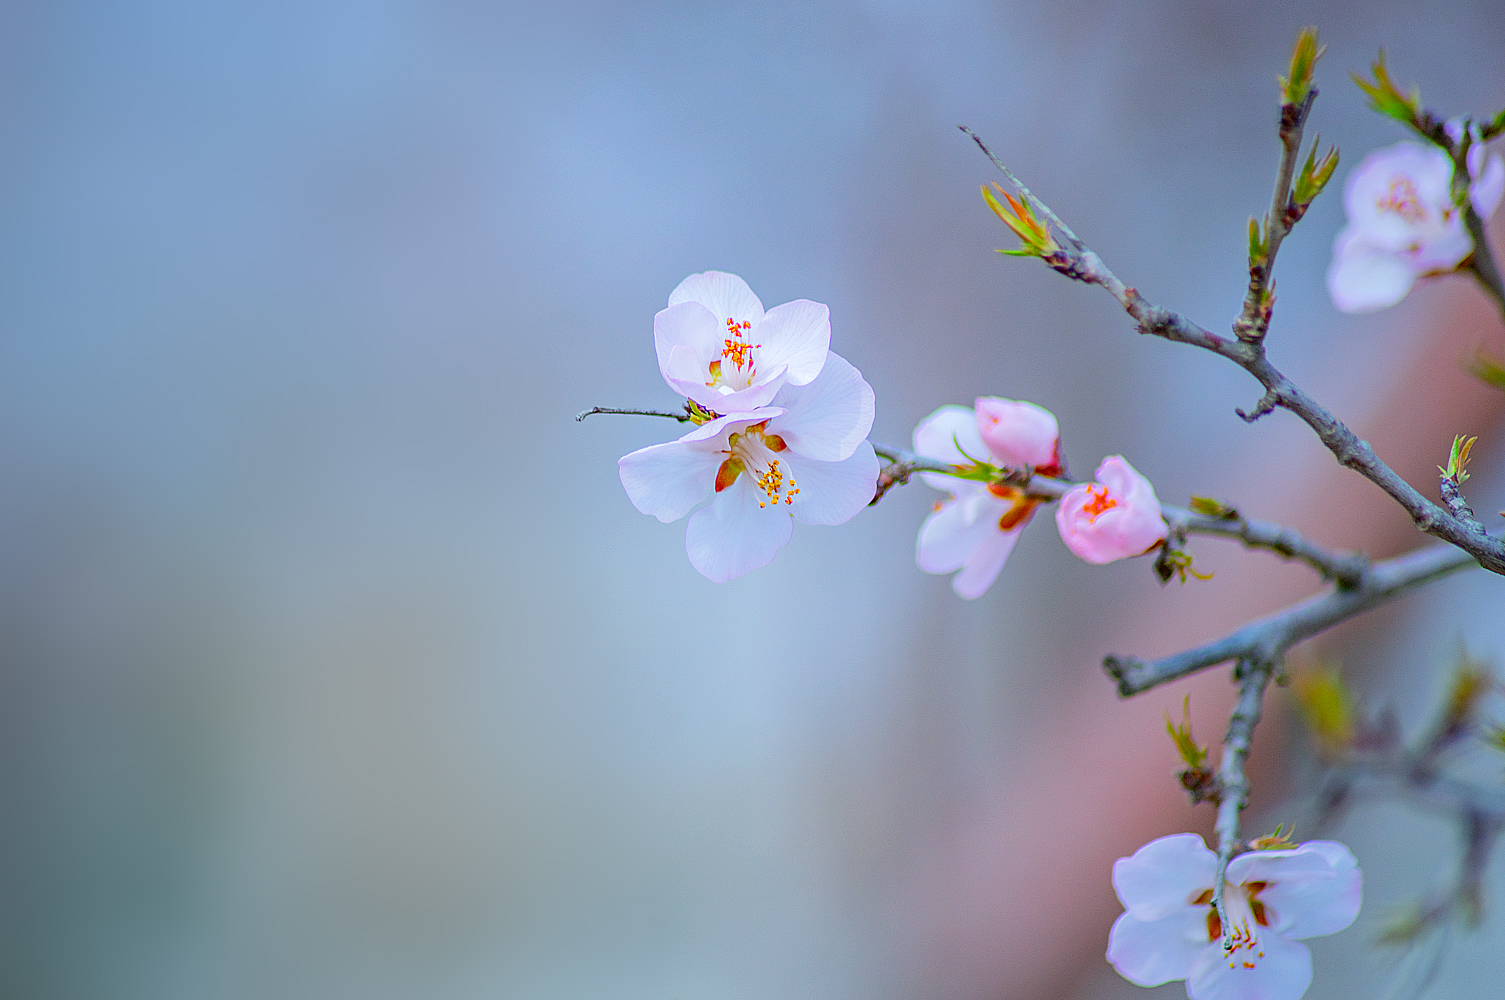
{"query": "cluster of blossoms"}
pixel 1403 223
pixel 976 527
pixel 1170 929
pixel 781 426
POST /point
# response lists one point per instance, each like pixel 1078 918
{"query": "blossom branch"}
pixel 1076 261
pixel 1233 784
pixel 1266 639
pixel 1344 568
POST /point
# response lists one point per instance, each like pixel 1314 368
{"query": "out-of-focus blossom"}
pixel 805 456
pixel 975 529
pixel 1402 223
pixel 1170 930
pixel 1114 518
pixel 717 346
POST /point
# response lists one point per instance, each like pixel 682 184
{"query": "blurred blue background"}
pixel 334 661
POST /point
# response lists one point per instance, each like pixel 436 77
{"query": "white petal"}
pixel 1424 171
pixel 693 328
pixel 666 480
pixel 1282 972
pixel 723 426
pixel 797 334
pixel 1306 899
pixel 1148 954
pixel 733 536
pixel 1488 185
pixel 725 295
pixel 1163 875
pixel 828 418
pixel 950 535
pixel 938 435
pixel 985 562
pixel 760 393
pixel 833 492
pixel 1363 279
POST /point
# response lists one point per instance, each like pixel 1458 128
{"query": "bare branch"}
pixel 1266 640
pixel 681 417
pixel 1346 569
pixel 1349 449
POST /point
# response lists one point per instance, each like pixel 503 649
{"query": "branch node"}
pixel 1266 404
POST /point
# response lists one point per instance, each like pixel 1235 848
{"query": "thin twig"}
pixel 1233 785
pixel 681 417
pixel 1482 264
pixel 1348 448
pixel 1254 320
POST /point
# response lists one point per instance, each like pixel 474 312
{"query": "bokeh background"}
pixel 334 661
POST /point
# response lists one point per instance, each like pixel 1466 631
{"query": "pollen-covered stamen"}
pixel 1099 502
pixel 753 451
pixel 1402 199
pixel 1246 913
pixel 739 352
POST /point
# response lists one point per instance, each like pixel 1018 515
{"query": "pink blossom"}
pixel 975 528
pixel 1170 930
pixel 805 457
pixel 1114 518
pixel 717 346
pixel 1402 223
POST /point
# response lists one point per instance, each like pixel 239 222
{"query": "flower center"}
pixel 1098 502
pixel 752 451
pixel 1403 200
pixel 1021 507
pixel 734 370
pixel 1246 913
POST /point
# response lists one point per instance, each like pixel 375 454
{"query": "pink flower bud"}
pixel 1020 434
pixel 1114 518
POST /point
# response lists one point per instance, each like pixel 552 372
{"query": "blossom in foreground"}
pixel 1402 223
pixel 803 457
pixel 717 346
pixel 975 529
pixel 1170 930
pixel 1114 518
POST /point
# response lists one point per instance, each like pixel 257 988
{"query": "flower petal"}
pixel 985 562
pixel 1018 433
pixel 1164 875
pixel 1363 278
pixel 951 534
pixel 797 334
pixel 1488 184
pixel 666 480
pixel 833 492
pixel 938 435
pixel 725 295
pixel 1148 953
pixel 1313 890
pixel 691 327
pixel 1282 972
pixel 828 418
pixel 733 536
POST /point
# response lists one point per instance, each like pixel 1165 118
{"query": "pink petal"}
pixel 833 492
pixel 828 418
pixel 733 536
pixel 1164 875
pixel 1282 972
pixel 1017 433
pixel 725 295
pixel 796 334
pixel 666 480
pixel 1489 185
pixel 1151 953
